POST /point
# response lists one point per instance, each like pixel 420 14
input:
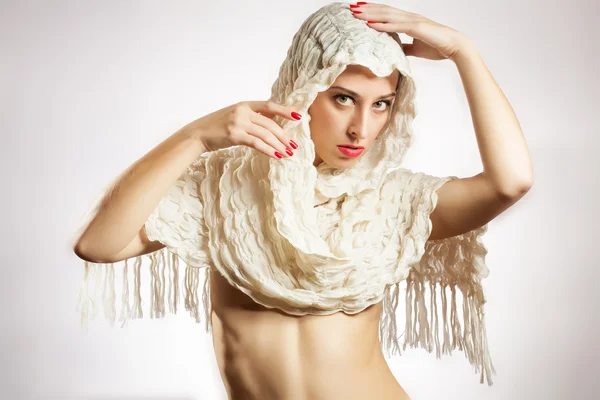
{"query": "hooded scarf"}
pixel 315 240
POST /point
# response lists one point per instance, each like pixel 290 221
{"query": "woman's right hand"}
pixel 246 123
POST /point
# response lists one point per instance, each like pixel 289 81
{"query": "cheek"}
pixel 322 123
pixel 322 131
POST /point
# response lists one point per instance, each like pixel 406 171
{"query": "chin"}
pixel 340 162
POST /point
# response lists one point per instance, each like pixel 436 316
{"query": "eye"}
pixel 343 96
pixel 387 103
pixel 339 96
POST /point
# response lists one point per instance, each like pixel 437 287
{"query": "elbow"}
pixel 85 255
pixel 516 190
pixel 79 253
pixel 82 254
pixel 515 185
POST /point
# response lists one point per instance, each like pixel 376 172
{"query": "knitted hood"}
pixel 273 201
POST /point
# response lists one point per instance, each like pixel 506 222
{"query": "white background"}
pixel 89 87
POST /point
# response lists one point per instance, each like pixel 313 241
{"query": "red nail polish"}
pixel 357 12
pixel 278 154
pixel 371 22
pixel 295 115
pixel 293 144
pixel 353 6
pixel 360 3
pixel 289 152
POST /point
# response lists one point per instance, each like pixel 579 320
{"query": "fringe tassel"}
pixel 98 288
pixel 422 324
pixel 387 326
pixel 99 280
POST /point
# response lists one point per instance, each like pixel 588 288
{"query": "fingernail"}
pixel 370 22
pixel 296 115
pixel 357 12
pixel 278 154
pixel 360 3
pixel 293 145
pixel 289 152
pixel 353 6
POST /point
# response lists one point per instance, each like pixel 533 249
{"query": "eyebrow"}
pixel 358 95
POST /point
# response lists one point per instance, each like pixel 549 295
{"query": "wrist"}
pixel 193 138
pixel 464 50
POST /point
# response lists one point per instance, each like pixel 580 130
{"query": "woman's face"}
pixel 352 112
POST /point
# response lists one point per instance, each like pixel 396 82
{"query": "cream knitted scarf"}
pixel 312 240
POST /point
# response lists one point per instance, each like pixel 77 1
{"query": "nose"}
pixel 359 125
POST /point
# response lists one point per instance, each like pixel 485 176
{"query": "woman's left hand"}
pixel 431 40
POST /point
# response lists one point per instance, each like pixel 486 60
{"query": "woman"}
pixel 305 223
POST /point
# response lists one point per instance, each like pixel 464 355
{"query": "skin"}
pixel 348 119
pixel 267 354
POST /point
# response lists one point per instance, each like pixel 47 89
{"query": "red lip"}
pixel 350 152
pixel 351 146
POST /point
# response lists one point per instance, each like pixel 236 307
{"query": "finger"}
pixel 381 26
pixel 269 138
pixel 270 108
pixel 254 138
pixel 384 14
pixel 381 8
pixel 273 128
pixel 407 27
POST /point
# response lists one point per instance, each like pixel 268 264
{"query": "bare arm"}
pixel 116 231
pixel 468 203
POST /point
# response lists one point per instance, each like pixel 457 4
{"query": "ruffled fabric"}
pixel 318 241
pixel 178 219
pixel 442 265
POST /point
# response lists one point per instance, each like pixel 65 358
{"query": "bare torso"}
pixel 266 354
